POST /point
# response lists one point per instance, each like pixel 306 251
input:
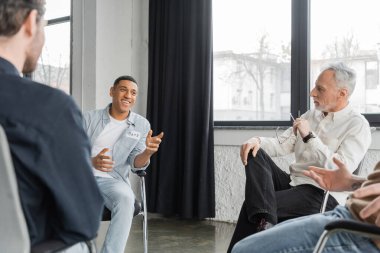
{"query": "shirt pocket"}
pixel 129 142
pixel 125 145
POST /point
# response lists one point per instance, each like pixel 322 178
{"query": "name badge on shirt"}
pixel 133 134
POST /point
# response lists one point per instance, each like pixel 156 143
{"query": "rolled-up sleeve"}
pixel 140 147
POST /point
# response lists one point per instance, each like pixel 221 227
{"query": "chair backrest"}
pixel 14 236
pixel 359 171
pixel 343 196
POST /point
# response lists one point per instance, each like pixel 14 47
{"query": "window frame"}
pixel 300 71
pixel 61 20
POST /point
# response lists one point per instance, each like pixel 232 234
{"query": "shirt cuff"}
pixel 138 168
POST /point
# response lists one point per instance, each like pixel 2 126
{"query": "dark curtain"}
pixel 180 178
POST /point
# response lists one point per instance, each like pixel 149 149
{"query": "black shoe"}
pixel 263 224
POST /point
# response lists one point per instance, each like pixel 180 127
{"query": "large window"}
pixel 54 64
pixel 349 31
pixel 252 59
pixel 267 55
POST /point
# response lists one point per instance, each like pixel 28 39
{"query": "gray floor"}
pixel 174 235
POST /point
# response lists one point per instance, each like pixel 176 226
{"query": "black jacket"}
pixel 51 156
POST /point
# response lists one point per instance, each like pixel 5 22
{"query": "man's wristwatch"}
pixel 308 137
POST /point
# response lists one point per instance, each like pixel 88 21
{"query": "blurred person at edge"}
pixel 302 234
pixel 50 150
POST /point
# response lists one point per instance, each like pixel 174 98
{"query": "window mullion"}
pixel 300 71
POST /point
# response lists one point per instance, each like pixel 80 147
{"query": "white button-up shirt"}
pixel 344 134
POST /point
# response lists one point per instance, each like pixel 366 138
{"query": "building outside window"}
pixel 349 31
pixel 253 42
pixel 53 66
pixel 251 52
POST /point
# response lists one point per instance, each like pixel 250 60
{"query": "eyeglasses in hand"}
pixel 281 138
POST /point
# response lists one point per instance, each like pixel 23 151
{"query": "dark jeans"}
pixel 267 192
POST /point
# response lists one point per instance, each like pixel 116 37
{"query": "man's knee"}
pixel 124 199
pixel 127 198
pixel 260 154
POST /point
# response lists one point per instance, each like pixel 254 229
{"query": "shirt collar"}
pixel 7 68
pixel 130 120
pixel 339 114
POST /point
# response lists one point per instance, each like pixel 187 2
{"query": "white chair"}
pixel 13 229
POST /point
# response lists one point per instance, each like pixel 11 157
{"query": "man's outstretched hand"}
pixel 331 180
pixel 153 142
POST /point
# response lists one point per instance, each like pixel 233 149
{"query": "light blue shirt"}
pixel 130 143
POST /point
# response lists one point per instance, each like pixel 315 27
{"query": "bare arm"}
pixel 335 180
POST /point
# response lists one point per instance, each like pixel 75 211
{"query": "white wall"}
pixel 111 39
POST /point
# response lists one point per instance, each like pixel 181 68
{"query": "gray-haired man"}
pixel 333 128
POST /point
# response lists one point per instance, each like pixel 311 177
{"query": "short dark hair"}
pixel 121 78
pixel 14 12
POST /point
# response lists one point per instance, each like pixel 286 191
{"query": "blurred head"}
pixel 14 14
pixel 333 87
pixel 124 93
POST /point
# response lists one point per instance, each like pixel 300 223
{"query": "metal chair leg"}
pixel 324 203
pixel 322 241
pixel 145 216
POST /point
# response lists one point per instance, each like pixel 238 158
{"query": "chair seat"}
pixel 107 213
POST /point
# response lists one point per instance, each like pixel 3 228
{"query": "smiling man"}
pixel 333 128
pixel 121 140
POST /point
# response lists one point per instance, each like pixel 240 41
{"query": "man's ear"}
pixel 343 92
pixel 30 23
pixel 111 91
